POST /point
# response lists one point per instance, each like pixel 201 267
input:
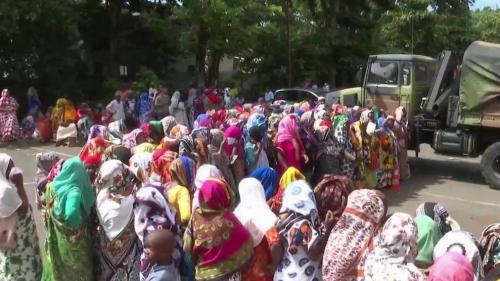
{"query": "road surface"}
pixel 454 182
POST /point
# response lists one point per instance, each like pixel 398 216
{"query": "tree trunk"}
pixel 201 54
pixel 114 7
pixel 213 68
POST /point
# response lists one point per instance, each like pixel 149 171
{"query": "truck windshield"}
pixel 383 72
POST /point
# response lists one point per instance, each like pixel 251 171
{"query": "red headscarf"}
pixel 95 147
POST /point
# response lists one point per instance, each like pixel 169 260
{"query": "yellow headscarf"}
pixel 290 175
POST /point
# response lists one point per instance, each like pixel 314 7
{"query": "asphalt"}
pixel 454 182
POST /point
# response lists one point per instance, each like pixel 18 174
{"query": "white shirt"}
pixel 117 109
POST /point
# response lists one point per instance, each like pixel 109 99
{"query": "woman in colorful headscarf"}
pixel 203 121
pixel 134 138
pixel 98 131
pixel 219 245
pixel 140 165
pixel 302 235
pixel 118 246
pixel 401 132
pixel 388 171
pixel 19 260
pixel 153 212
pixel 35 107
pixel 269 180
pixel 68 247
pixel 346 140
pixel 290 150
pixel 331 195
pixel 182 172
pixel 179 131
pixel 439 214
pixel 428 237
pixel 144 107
pixel 219 158
pixel 451 267
pixel 63 121
pixel 255 215
pixel 490 247
pixel 168 123
pixel 366 145
pixel 9 125
pixel 327 151
pixel 95 147
pixel 352 237
pixel 463 243
pixel 235 151
pixel 291 175
pixel 204 172
pixel 394 255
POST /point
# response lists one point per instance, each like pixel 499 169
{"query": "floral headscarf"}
pixel 182 170
pixel 331 195
pixel 490 246
pixel 395 253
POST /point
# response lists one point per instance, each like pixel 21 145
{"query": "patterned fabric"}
pixel 463 243
pixel 437 212
pixel 68 252
pixel 23 262
pixel 9 125
pixel 490 246
pixel 352 237
pixel 393 257
pixel 131 139
pixel 298 232
pixel 95 147
pixel 291 174
pixel 221 245
pixel 98 131
pixel 182 171
pixel 168 123
pixel 331 195
pixel 204 172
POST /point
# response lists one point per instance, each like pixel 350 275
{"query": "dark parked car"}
pixel 292 95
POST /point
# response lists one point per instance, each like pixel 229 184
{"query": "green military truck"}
pixel 453 105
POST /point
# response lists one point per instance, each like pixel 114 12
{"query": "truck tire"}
pixel 490 165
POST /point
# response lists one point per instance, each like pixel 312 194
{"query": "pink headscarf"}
pixel 288 129
pixel 233 132
pixel 451 267
pixel 130 139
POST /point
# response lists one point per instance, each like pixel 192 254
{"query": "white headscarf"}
pixel 299 198
pixel 9 198
pixel 140 162
pixel 114 215
pixel 204 172
pixel 253 211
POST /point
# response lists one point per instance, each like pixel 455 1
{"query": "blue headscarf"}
pixel 144 106
pixel 188 168
pixel 382 124
pixel 269 179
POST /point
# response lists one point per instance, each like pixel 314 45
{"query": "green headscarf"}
pixel 73 192
pixel 157 127
pixel 339 119
pixel 428 237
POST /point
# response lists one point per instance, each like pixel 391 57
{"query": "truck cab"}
pixel 392 80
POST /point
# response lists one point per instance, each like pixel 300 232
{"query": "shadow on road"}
pixel 434 172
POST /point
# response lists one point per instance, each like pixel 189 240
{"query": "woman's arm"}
pixel 281 159
pixel 17 179
pixel 73 209
pixel 184 201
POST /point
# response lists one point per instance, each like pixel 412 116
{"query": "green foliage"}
pixel 144 79
pixel 486 25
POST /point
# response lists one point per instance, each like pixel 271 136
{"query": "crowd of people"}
pixel 209 188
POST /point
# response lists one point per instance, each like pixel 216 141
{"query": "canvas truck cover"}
pixel 480 77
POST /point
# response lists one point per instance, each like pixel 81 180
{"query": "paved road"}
pixel 454 182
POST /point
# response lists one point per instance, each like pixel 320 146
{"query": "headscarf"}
pixel 204 172
pixel 234 133
pixel 141 163
pixel 253 211
pixel 214 233
pixel 451 267
pixel 157 127
pixel 428 237
pixel 144 147
pixel 439 214
pixel 167 124
pixel 350 239
pixel 115 179
pixel 331 195
pixel 268 178
pixel 290 175
pixel 130 139
pixel 162 159
pixel 9 198
pixel 182 171
pixel 179 131
pixel 95 147
pixel 98 131
pixel 490 246
pixel 203 120
pixel 299 198
pixel 463 243
pixel 72 178
pixel 393 257
pixel 288 129
pixel 258 120
pixel 187 147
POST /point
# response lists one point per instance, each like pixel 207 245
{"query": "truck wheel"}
pixel 490 165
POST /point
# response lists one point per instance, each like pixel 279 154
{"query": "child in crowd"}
pixel 159 247
pixel 256 155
